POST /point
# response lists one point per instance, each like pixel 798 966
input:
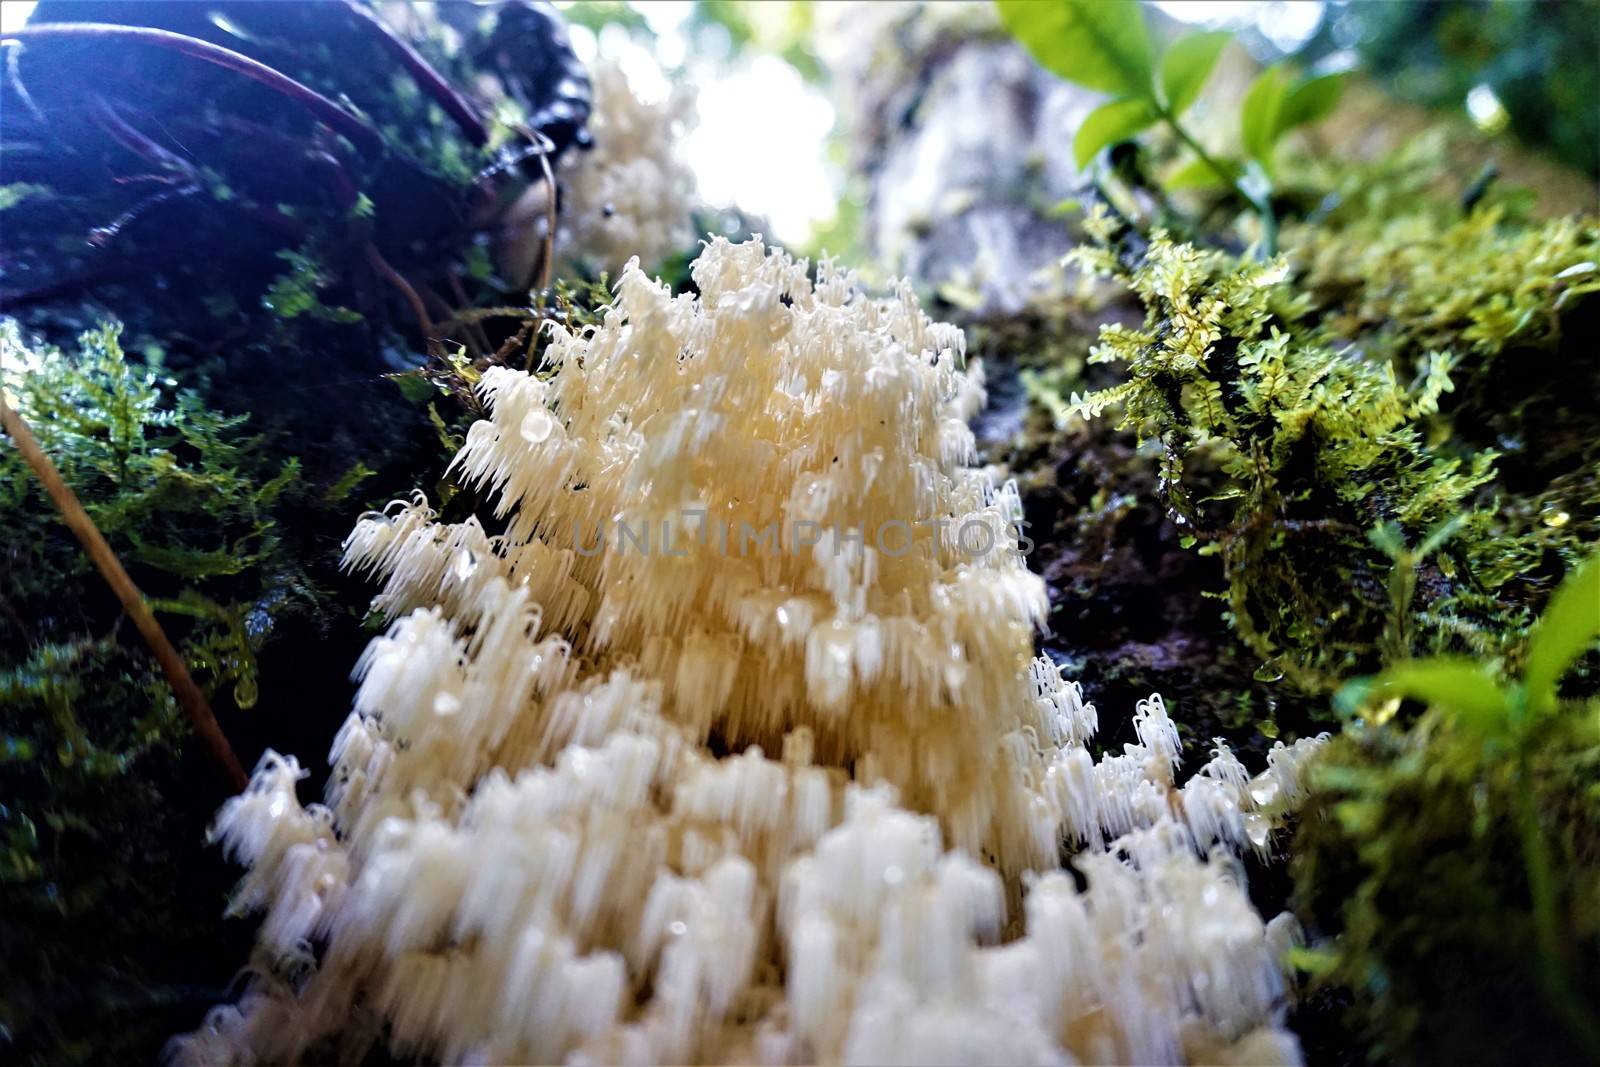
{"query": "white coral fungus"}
pixel 533 847
pixel 632 193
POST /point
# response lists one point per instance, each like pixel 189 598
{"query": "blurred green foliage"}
pixel 595 15
pixel 721 30
pixel 779 27
pixel 1105 45
pixel 1453 863
pixel 1537 58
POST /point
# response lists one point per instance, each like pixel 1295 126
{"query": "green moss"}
pixel 1312 416
pixel 1478 283
pixel 185 496
pixel 294 292
pixel 1411 857
pixel 1452 866
pixel 1278 450
pixel 92 769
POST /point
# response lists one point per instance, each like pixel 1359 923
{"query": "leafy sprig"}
pixel 1502 718
pixel 1105 45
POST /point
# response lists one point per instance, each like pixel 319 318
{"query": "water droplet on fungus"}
pixel 536 426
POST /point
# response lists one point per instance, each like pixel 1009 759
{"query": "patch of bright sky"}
pixel 759 141
pixel 760 145
pixel 13 13
pixel 1288 24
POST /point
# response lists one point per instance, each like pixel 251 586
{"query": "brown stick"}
pixel 83 528
pixel 398 280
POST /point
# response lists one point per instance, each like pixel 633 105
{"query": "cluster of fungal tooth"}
pixel 802 803
pixel 631 194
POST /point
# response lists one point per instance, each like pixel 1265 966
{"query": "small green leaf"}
pixel 287 475
pixel 1316 962
pixel 1260 113
pixel 1439 535
pixel 1310 100
pixel 1569 625
pixel 1187 65
pixel 414 386
pixel 16 192
pixel 1099 44
pixel 354 476
pixel 1389 540
pixel 1460 686
pixel 1353 696
pixel 1108 124
pixel 1198 174
pixel 448 441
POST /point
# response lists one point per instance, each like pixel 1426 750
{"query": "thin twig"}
pixel 396 279
pixel 363 135
pixel 136 142
pixel 190 698
pixel 431 299
pixel 103 236
pixel 481 314
pixel 503 353
pixel 440 306
pixel 1262 205
pixel 474 328
pixel 543 146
